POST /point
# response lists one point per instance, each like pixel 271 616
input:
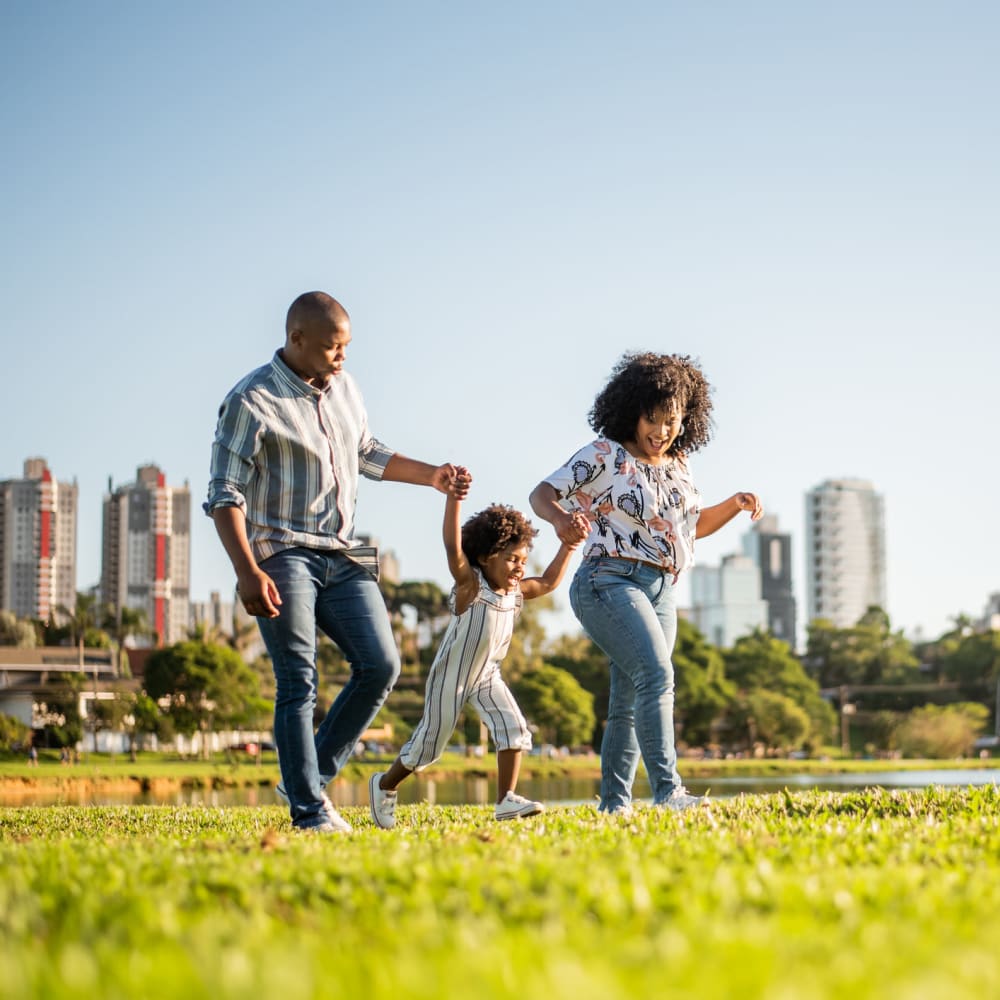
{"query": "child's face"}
pixel 504 569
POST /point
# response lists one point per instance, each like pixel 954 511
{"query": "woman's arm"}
pixel 545 503
pixel 713 518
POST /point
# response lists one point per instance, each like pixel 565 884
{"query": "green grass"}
pixel 871 894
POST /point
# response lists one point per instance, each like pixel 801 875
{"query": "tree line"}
pixel 865 689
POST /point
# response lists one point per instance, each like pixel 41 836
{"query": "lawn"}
pixel 826 895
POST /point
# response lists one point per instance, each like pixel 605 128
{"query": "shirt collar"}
pixel 300 385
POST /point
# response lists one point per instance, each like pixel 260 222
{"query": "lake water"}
pixel 554 791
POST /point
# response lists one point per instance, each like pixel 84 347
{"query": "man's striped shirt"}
pixel 289 455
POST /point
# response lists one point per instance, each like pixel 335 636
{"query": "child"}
pixel 487 558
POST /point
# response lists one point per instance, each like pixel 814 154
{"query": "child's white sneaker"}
pixel 513 806
pixel 383 803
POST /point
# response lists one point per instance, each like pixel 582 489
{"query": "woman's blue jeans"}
pixel 629 609
pixel 324 590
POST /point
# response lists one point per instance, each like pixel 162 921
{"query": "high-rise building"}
pixel 725 600
pixel 146 552
pixel 771 552
pixel 845 551
pixel 38 544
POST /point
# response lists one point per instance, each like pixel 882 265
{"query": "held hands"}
pixel 750 502
pixel 452 479
pixel 572 528
pixel 259 595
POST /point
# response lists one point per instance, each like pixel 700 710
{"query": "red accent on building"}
pixel 159 575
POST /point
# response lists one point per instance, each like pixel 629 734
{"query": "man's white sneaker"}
pixel 513 806
pixel 383 803
pixel 337 822
pixel 680 800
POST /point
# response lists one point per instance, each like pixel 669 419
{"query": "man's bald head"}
pixel 314 310
pixel 317 332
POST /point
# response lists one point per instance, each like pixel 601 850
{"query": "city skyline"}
pixel 704 594
pixel 804 199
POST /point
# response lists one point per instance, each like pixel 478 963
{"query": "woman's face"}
pixel 656 432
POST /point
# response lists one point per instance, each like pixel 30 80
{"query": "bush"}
pixel 13 732
pixel 942 731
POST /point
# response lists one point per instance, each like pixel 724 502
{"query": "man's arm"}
pixel 400 469
pixel 257 590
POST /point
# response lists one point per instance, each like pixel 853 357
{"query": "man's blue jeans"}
pixel 329 591
pixel 629 609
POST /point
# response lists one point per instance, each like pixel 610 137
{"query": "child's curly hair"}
pixel 642 383
pixel 494 529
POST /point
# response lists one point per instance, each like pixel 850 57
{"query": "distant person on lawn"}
pixel 487 558
pixel 291 441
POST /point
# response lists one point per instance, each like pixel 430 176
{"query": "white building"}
pixel 37 544
pixel 726 600
pixel 146 553
pixel 845 551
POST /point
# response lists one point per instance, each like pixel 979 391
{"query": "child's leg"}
pixel 496 706
pixel 392 778
pixel 508 768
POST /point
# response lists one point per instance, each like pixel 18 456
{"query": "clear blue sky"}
pixel 506 198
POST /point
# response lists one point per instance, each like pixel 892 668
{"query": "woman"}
pixel 634 486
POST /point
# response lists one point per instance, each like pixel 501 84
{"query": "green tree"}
pixel 13 732
pixel 207 686
pixel 554 701
pixel 761 662
pixel 109 714
pixel 59 706
pixel 16 631
pixel 703 692
pixel 867 653
pixel 974 660
pixel 776 720
pixel 581 657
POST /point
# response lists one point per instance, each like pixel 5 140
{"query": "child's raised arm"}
pixel 466 583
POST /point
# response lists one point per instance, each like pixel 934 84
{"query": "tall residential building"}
pixel 725 600
pixel 146 553
pixel 771 552
pixel 845 551
pixel 38 544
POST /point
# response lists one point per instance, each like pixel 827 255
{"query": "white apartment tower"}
pixel 38 544
pixel 146 552
pixel 726 601
pixel 845 551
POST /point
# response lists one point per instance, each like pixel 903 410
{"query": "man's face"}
pixel 318 351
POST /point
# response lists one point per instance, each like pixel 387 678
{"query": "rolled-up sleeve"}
pixel 237 436
pixel 373 456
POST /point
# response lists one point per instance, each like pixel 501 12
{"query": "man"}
pixel 291 441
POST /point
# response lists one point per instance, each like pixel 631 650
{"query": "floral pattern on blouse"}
pixel 636 510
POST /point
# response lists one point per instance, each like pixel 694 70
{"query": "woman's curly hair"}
pixel 639 384
pixel 493 529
